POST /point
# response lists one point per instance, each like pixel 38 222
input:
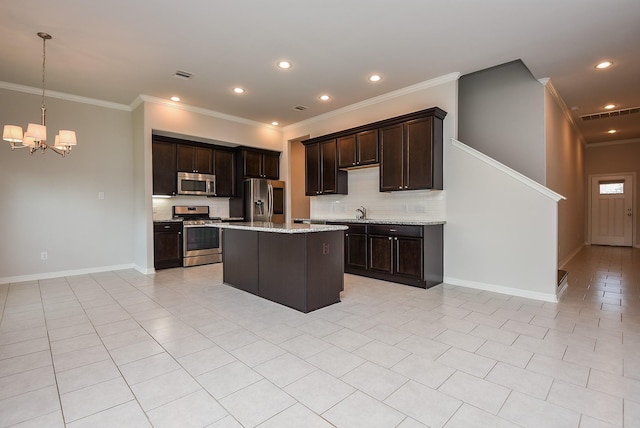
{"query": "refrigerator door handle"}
pixel 270 201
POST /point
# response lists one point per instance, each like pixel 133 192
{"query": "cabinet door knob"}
pixel 167 227
pixel 390 238
pixel 406 187
pixel 399 187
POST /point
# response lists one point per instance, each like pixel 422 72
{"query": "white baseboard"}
pixel 59 274
pixel 567 259
pixel 502 289
pixel 144 271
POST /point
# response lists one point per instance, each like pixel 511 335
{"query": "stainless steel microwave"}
pixel 191 183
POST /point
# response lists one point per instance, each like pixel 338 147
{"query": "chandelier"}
pixel 36 135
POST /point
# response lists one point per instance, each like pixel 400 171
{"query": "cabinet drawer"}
pixel 356 228
pixel 167 226
pixel 395 230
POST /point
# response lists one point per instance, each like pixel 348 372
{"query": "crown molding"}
pixel 63 96
pixel 549 86
pixel 198 110
pixel 613 143
pixel 451 77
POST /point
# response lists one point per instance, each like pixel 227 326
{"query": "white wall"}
pixel 565 173
pixel 363 184
pixel 501 231
pixel 51 204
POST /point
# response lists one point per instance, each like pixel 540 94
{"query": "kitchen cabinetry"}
pixel 409 159
pixel 408 149
pixel 164 168
pixel 405 254
pixel 260 164
pixel 355 248
pixel 167 244
pixel 224 170
pixel 396 250
pixel 322 174
pixel 358 149
pixel 194 159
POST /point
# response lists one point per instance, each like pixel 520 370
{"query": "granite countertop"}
pixel 168 220
pixel 374 221
pixel 262 226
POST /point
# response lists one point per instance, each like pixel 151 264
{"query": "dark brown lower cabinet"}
pixel 167 244
pixel 355 247
pixel 411 255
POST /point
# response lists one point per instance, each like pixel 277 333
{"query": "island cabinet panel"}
pixel 241 250
pixel 325 277
pixel 277 284
pixel 301 270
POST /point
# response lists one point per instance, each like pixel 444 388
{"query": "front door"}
pixel 611 210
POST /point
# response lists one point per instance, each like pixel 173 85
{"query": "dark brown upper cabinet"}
pixel 408 149
pixel 224 170
pixel 411 155
pixel 359 149
pixel 322 174
pixel 260 164
pixel 195 159
pixel 163 155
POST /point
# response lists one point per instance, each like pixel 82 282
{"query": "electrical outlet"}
pixel 100 195
pixel 43 255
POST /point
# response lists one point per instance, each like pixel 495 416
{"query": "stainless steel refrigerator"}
pixel 264 200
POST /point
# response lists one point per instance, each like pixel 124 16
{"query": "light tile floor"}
pixel 180 349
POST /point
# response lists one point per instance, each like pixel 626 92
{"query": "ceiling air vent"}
pixel 616 113
pixel 299 108
pixel 183 75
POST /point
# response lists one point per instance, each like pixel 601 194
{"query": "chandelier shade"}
pixel 36 135
pixel 12 134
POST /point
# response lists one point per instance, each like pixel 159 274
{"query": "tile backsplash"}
pixel 426 205
pixel 162 207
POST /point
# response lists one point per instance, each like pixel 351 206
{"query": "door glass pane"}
pixel 611 187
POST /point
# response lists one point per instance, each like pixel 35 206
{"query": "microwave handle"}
pixel 210 184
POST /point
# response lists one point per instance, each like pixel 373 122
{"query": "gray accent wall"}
pixel 50 204
pixel 501 114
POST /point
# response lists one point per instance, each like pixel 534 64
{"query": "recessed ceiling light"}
pixel 274 123
pixel 375 78
pixel 324 97
pixel 612 131
pixel 239 90
pixel 176 99
pixel 609 106
pixel 604 64
pixel 284 65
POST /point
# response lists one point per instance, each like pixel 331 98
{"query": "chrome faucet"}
pixel 361 213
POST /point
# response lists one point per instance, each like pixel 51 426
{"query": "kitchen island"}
pixel 296 265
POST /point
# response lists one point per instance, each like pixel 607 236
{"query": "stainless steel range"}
pixel 201 244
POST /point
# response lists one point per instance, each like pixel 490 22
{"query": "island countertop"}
pixel 262 226
pixel 370 221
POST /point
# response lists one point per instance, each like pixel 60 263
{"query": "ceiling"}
pixel 119 49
